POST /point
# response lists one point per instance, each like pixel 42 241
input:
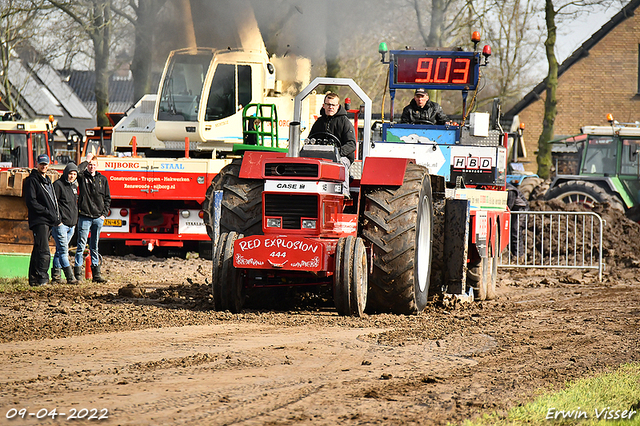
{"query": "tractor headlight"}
pixel 274 223
pixel 308 224
pixel 185 213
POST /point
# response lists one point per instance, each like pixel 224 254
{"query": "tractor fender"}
pixel 605 182
pixel 384 171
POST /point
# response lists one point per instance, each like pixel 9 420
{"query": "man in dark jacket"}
pixel 421 110
pixel 333 119
pixel 517 202
pixel 94 201
pixel 66 189
pixel 43 214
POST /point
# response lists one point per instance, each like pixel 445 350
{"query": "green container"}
pixel 15 265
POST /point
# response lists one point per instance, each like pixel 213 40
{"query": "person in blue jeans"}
pixel 66 189
pixel 94 201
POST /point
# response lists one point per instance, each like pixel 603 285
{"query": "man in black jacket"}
pixel 94 201
pixel 517 202
pixel 66 189
pixel 421 110
pixel 333 119
pixel 43 214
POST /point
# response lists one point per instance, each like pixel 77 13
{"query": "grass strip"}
pixel 606 399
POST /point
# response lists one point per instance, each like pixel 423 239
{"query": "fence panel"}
pixel 562 240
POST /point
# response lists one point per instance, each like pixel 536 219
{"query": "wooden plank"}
pixel 15 232
pixel 13 208
pixel 21 248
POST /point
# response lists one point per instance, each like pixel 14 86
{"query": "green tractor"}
pixel 599 166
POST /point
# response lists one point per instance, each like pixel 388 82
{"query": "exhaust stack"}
pixel 294 139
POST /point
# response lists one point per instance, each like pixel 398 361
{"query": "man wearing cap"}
pixel 43 214
pixel 94 201
pixel 421 110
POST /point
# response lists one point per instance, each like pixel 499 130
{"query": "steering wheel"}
pixel 426 122
pixel 324 138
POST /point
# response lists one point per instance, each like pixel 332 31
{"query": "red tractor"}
pixel 426 213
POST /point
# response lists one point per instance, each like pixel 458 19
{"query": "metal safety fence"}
pixel 561 240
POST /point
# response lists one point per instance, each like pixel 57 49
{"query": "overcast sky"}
pixel 579 30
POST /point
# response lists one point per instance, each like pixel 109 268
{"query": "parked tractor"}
pixel 426 212
pixel 599 166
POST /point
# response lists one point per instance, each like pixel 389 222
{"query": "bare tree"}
pixel 511 29
pixel 143 20
pixel 552 13
pixel 18 24
pixel 550 102
pixel 95 18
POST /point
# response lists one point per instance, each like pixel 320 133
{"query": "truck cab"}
pixel 22 141
pixel 201 97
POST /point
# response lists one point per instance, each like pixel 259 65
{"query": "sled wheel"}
pixel 351 283
pixel 477 278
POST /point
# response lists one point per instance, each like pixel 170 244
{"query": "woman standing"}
pixel 66 189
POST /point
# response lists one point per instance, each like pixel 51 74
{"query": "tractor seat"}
pixel 325 152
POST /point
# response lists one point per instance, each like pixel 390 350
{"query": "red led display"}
pixel 434 70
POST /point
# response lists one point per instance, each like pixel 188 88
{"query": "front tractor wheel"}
pixel 585 193
pixel 350 284
pixel 227 286
pixel 398 224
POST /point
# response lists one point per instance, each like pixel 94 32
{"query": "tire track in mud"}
pixel 222 374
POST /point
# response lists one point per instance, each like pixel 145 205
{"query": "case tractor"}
pixel 426 212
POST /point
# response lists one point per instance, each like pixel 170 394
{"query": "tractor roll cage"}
pixel 294 135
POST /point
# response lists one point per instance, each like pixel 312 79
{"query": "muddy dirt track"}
pixel 146 348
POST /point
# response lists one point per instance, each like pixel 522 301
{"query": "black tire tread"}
pixel 241 209
pixel 591 189
pixel 389 226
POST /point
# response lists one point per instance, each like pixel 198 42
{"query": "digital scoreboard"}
pixel 435 70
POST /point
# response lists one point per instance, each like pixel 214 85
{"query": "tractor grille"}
pixel 291 170
pixel 291 208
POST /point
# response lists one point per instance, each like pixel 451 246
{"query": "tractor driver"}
pixel 421 110
pixel 333 119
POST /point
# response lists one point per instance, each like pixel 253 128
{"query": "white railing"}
pixel 568 240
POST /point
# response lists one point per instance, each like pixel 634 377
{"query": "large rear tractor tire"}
pixel 528 184
pixel 241 209
pixel 209 198
pixel 227 286
pixel 398 224
pixel 585 193
pixel 350 284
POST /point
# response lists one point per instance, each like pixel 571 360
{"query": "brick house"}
pixel 602 76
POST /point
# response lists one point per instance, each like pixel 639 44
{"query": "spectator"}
pixel 66 189
pixel 94 201
pixel 516 202
pixel 421 110
pixel 83 165
pixel 43 214
pixel 333 120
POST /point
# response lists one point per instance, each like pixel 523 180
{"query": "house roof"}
pixel 42 91
pixel 120 89
pixel 579 53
